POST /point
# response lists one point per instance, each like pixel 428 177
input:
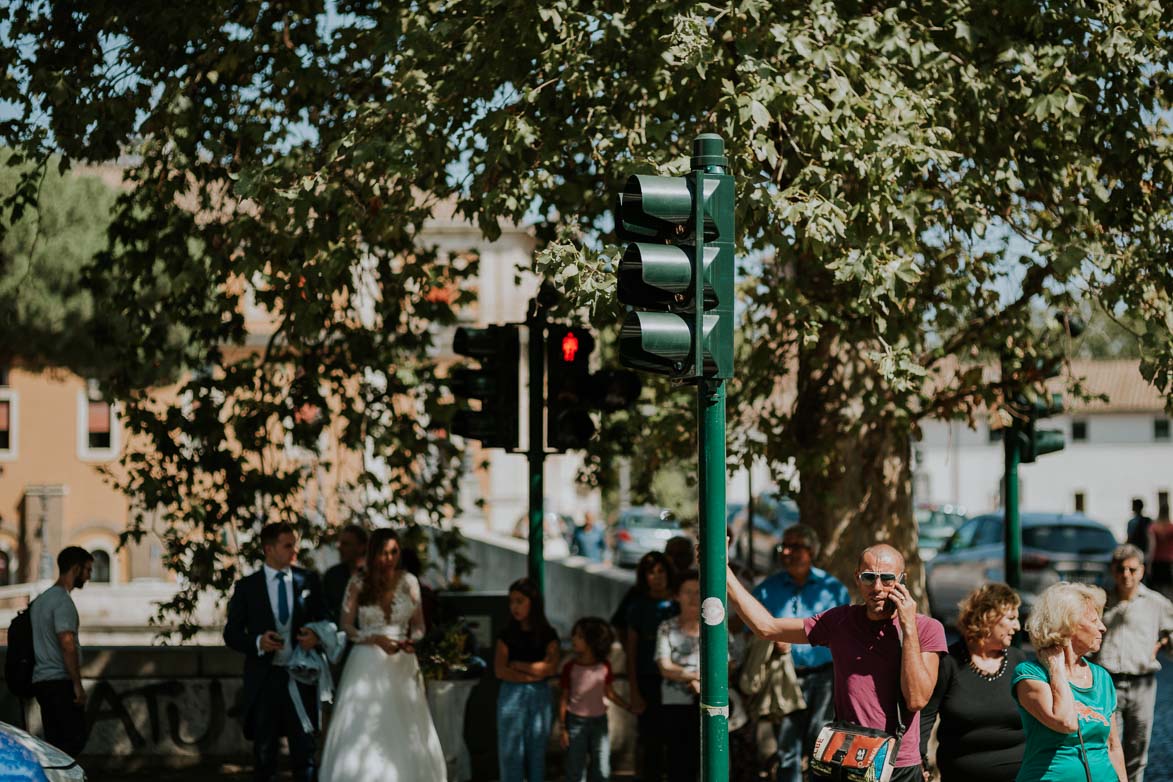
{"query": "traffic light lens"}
pixel 569 347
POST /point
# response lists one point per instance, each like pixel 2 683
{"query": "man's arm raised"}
pixel 758 619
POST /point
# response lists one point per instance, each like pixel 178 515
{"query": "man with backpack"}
pixel 57 673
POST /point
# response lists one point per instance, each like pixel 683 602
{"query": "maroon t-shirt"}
pixel 866 658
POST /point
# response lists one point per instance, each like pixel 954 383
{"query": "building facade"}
pixel 1116 450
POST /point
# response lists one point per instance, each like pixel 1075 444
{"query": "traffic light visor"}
pixel 651 207
pixel 654 275
pixel 656 342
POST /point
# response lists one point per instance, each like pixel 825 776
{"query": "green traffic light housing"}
pixel 679 280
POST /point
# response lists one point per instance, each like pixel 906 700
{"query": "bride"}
pixel 381 728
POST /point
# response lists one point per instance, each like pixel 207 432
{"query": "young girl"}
pixel 527 655
pixel 581 711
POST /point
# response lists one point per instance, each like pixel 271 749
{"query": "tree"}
pixel 47 315
pixel 913 180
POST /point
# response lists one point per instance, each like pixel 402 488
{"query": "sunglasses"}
pixel 792 546
pixel 887 579
pixel 1129 570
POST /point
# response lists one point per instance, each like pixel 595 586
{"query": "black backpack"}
pixel 20 660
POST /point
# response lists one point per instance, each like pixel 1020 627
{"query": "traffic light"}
pixel 677 272
pixel 494 384
pixel 1036 442
pixel 568 399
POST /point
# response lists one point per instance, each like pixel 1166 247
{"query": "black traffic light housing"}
pixel 494 384
pixel 568 401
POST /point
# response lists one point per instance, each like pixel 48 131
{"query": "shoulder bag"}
pixel 846 752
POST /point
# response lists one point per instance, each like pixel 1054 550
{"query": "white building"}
pixel 1116 450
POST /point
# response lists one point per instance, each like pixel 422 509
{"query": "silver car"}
pixel 644 529
pixel 58 766
pixel 1055 547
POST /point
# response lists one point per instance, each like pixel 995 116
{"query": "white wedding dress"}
pixel 381 729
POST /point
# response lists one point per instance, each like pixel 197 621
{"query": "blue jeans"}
pixel 590 748
pixel 524 716
pixel 799 729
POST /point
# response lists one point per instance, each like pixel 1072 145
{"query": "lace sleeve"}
pixel 350 612
pixel 416 628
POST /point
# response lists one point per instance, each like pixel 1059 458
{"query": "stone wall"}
pixel 156 707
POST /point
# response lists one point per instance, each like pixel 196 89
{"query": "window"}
pixel 1080 504
pixel 1079 431
pixel 1069 539
pixel 990 532
pixel 963 537
pixel 101 571
pixel 1163 499
pixel 5 569
pixel 9 419
pixel 1160 428
pixel 97 435
pixel 3 376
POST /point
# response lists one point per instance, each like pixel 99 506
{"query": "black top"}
pixel 980 736
pixel 334 583
pixel 526 647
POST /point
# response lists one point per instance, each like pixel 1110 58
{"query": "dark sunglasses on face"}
pixel 1129 570
pixel 887 579
pixel 792 546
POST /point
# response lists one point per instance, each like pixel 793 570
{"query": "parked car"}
pixel 935 524
pixel 643 529
pixel 1055 547
pixel 772 514
pixel 23 756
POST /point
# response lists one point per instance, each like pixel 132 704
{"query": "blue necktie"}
pixel 282 599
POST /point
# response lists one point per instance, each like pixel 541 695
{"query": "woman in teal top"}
pixel 1063 697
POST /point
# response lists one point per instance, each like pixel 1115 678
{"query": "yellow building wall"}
pixel 52 477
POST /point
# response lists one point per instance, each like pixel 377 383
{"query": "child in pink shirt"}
pixel 582 712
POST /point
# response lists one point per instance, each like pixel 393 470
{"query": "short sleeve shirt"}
pixel 585 687
pixel 52 612
pixel 867 657
pixel 1053 757
pixel 784 598
pixel 675 645
pixel 644 616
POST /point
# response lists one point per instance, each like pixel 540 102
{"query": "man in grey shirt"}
pixel 1139 622
pixel 57 673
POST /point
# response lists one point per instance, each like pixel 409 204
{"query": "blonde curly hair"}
pixel 982 608
pixel 1059 610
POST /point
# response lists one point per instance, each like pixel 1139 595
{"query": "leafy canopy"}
pixel 915 179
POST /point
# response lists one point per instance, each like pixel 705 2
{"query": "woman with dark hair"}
pixel 526 656
pixel 980 734
pixel 381 727
pixel 652 604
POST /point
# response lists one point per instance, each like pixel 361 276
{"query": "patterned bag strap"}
pixel 1087 769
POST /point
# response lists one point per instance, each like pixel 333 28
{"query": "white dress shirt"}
pixel 284 630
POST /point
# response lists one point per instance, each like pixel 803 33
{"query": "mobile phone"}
pixel 890 604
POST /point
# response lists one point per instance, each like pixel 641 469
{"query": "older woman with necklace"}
pixel 980 734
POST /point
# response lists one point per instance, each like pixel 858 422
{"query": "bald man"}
pixel 884 653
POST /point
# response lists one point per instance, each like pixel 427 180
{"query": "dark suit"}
pixel 268 711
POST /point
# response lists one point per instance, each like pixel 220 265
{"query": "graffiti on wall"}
pixel 170 716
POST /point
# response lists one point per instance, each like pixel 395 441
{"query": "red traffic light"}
pixel 569 347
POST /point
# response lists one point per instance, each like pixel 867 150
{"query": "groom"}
pixel 266 616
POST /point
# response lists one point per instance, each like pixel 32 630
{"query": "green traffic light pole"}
pixel 709 158
pixel 1012 526
pixel 536 321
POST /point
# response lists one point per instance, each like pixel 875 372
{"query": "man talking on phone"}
pixel 884 654
pixel 267 615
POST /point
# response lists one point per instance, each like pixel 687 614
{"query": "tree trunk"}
pixel 863 496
